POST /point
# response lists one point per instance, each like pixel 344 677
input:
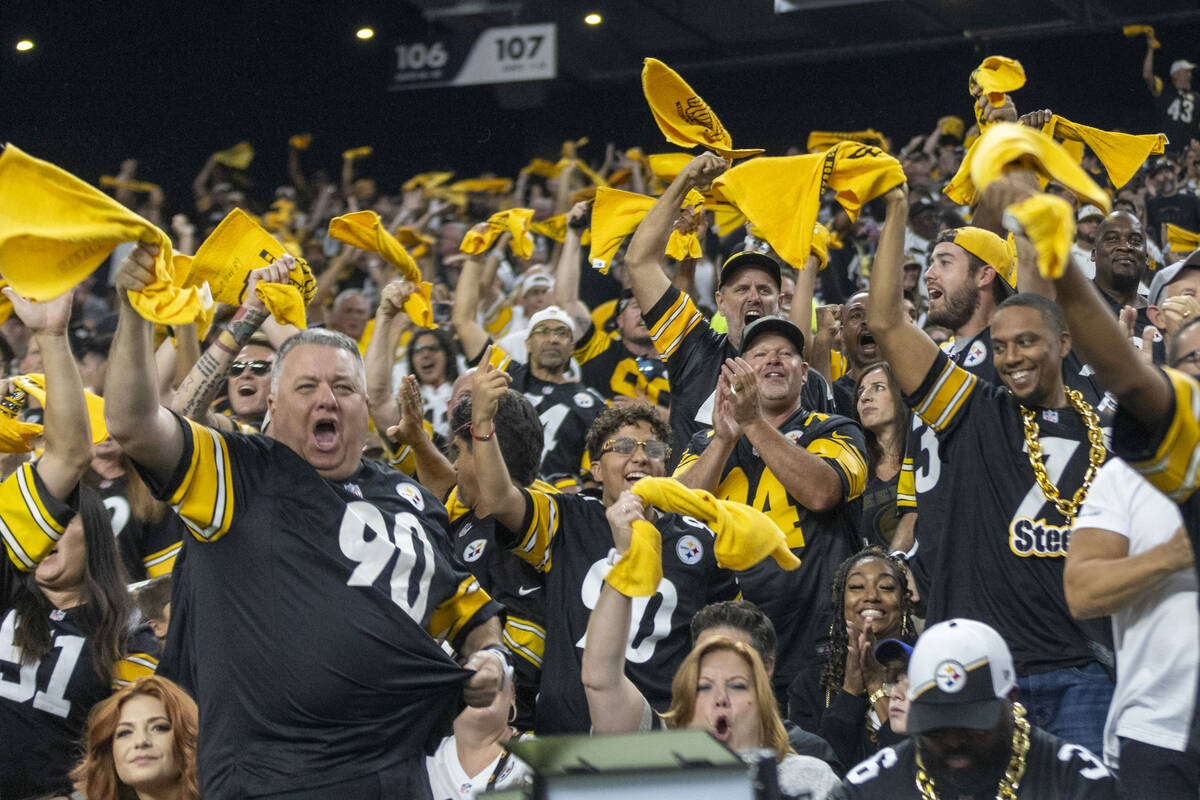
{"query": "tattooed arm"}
pixel 206 378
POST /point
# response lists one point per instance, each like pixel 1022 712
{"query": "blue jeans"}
pixel 1070 703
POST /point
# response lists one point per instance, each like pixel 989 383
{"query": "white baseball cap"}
pixel 1182 63
pixel 959 676
pixel 552 313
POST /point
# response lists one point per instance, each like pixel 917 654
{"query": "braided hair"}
pixel 835 668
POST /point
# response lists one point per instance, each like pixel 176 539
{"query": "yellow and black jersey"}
pixel 694 353
pixel 1168 455
pixel 566 410
pixel 31 522
pixel 44 705
pixel 314 609
pixel 923 466
pixel 1002 544
pixel 567 537
pixel 797 601
pixel 606 365
pixel 148 548
pixel 513 584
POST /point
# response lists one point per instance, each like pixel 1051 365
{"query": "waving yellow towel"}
pixel 682 115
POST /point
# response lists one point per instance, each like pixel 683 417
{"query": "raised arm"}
pixel 906 347
pixel 566 278
pixel 614 703
pixel 146 431
pixel 381 355
pixel 1100 342
pixel 67 430
pixel 1148 69
pixel 471 334
pixel 204 381
pixel 434 470
pixel 644 259
pixel 504 501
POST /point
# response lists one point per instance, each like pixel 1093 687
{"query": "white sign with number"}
pixel 497 55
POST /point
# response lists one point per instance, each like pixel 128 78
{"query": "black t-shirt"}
pixel 1178 118
pixel 694 353
pixel 1000 550
pixel 568 538
pixel 313 609
pixel 797 601
pixel 1181 208
pixel 1053 769
pixel 879 519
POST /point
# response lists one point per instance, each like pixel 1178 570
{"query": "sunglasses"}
pixel 656 451
pixel 259 368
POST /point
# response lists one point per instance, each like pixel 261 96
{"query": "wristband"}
pixel 482 438
pixel 877 695
pixel 501 652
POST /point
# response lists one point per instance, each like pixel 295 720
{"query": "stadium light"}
pixel 365 33
pixel 593 19
pixel 24 45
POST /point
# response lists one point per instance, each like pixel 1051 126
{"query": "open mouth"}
pixel 634 477
pixel 247 390
pixel 934 294
pixel 325 434
pixel 751 317
pixel 866 342
pixel 721 728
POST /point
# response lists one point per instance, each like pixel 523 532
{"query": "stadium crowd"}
pixel 880 458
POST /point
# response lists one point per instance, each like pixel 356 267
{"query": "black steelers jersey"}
pixel 566 410
pixel 1053 768
pixel 1168 456
pixel 694 353
pixel 148 548
pixel 44 705
pixel 1002 544
pixel 797 601
pixel 567 537
pixel 314 609
pixel 1178 116
pixel 923 465
pixel 844 401
pixel 607 366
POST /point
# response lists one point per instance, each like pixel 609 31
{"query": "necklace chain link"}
pixel 1067 507
pixel 1011 782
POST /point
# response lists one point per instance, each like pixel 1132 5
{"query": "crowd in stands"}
pixel 879 458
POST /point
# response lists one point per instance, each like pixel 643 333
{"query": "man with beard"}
pixel 801 468
pixel 1020 453
pixel 567 408
pixel 969 738
pixel 748 287
pixel 1120 256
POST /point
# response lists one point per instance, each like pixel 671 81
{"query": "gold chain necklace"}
pixel 1068 508
pixel 1011 782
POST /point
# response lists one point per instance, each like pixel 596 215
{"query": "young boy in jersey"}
pixel 567 537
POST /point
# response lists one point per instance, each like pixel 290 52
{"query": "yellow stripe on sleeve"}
pixel 162 562
pixel 951 389
pixel 132 667
pixel 678 320
pixel 455 611
pixel 498 318
pixel 839 448
pixel 204 498
pixel 906 485
pixel 685 463
pixel 594 346
pixel 526 639
pixel 27 526
pixel 534 547
pixel 1174 467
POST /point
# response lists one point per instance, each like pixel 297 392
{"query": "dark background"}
pixel 171 83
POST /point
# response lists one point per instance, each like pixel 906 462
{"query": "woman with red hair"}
pixel 141 745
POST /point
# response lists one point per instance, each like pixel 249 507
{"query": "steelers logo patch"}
pixel 975 355
pixel 950 676
pixel 474 550
pixel 584 400
pixel 793 436
pixel 412 494
pixel 689 550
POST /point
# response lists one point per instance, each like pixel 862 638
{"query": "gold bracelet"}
pixel 877 695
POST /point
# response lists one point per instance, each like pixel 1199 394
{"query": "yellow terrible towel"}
pixel 486 185
pixel 414 241
pixel 1122 154
pixel 15 436
pixel 639 571
pixel 239 156
pixel 364 230
pixel 55 230
pixel 995 77
pixel 426 180
pixel 239 245
pixel 131 185
pixel 1003 144
pixel 781 196
pixel 1049 222
pixel 1138 30
pixel 745 535
pixel 820 141
pixel 514 220
pixel 682 115
pixel 616 214
pixel 1181 240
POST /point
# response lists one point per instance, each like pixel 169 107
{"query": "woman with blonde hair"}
pixel 141 745
pixel 721 687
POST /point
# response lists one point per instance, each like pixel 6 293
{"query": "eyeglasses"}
pixel 656 451
pixel 259 368
pixel 1192 359
pixel 558 332
pixel 426 348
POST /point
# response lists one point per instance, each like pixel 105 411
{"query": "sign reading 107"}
pixel 494 55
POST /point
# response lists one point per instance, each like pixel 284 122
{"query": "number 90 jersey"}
pixel 567 536
pixel 312 611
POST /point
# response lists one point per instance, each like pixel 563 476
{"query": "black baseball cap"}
pixel 779 325
pixel 750 259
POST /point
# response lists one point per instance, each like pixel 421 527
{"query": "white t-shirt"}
pixel 449 781
pixel 1156 636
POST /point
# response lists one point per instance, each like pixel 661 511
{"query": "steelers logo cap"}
pixel 959 676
